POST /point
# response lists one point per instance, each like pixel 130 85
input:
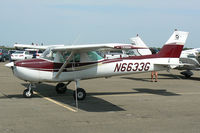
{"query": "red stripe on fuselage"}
pixel 36 64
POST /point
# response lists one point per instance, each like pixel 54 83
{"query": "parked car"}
pixel 3 55
pixel 10 52
pixel 21 55
pixel 35 52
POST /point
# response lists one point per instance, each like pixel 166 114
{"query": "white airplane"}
pixel 190 60
pixel 79 62
pixel 135 41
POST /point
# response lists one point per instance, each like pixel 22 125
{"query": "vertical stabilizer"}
pixel 174 46
pixel 137 41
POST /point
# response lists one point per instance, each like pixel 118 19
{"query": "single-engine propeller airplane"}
pixel 61 64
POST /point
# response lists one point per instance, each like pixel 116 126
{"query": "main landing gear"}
pixel 78 94
pixel 61 88
pixel 187 73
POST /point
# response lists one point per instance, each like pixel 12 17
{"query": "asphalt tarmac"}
pixel 124 104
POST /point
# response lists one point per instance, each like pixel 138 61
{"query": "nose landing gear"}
pixel 28 93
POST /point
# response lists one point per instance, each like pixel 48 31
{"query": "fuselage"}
pixel 43 70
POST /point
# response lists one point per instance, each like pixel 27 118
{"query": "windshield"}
pixel 61 56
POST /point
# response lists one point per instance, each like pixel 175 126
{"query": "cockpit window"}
pixel 191 56
pixel 93 56
pixel 47 54
pixel 75 58
pixel 61 56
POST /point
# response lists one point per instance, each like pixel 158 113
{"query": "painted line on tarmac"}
pixel 190 93
pixel 58 103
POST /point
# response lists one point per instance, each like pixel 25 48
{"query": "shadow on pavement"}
pixel 156 92
pixel 91 103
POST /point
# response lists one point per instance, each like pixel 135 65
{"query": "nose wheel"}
pixel 28 93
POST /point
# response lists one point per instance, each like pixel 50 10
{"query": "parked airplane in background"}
pixel 190 60
pixel 79 62
pixel 135 41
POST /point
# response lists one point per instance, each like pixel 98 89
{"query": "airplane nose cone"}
pixel 11 64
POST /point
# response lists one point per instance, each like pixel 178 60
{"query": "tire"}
pixel 81 94
pixel 61 88
pixel 26 93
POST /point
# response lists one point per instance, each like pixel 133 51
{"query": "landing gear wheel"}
pixel 187 73
pixel 27 93
pixel 81 94
pixel 61 88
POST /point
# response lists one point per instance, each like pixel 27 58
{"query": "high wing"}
pixel 95 47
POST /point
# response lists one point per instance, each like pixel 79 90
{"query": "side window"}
pixel 93 56
pixel 26 52
pixel 76 58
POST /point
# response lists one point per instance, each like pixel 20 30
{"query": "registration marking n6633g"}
pixel 122 67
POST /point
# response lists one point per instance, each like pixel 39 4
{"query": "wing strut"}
pixel 64 65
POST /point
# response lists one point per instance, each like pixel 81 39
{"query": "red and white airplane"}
pixel 79 62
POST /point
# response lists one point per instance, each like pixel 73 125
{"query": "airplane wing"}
pixel 23 46
pixel 95 47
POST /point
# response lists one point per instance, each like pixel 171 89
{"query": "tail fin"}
pixel 173 47
pixel 137 41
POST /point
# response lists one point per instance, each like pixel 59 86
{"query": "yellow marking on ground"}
pixel 58 103
pixel 189 93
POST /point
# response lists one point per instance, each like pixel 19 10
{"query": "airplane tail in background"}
pixel 173 47
pixel 137 41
